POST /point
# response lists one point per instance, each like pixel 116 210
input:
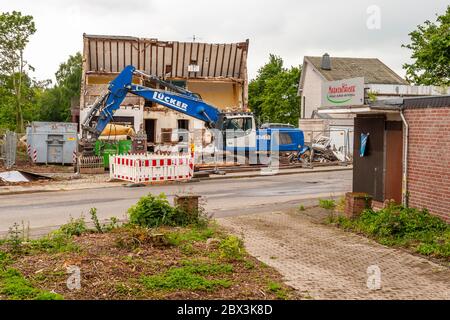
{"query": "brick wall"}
pixel 429 159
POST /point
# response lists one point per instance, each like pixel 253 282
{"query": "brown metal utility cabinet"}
pixel 379 171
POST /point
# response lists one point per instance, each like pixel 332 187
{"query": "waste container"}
pixel 52 142
pixel 110 148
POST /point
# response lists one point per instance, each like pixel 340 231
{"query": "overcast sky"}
pixel 289 28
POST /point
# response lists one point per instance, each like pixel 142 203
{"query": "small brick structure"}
pixel 356 203
pixel 429 158
pixel 188 203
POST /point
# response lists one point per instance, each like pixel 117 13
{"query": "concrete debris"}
pixel 324 152
pixel 21 176
pixel 13 176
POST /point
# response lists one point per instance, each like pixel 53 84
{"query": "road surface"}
pixel 228 197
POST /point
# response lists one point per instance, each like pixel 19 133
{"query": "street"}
pixel 222 198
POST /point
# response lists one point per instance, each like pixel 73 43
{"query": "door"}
pixel 368 170
pixel 150 130
pixel 55 148
pixel 394 161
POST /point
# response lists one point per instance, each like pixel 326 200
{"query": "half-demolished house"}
pixel 217 72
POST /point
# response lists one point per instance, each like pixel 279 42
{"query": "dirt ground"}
pixel 111 268
pixel 328 263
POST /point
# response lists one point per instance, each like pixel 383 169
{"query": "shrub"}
pixel 231 248
pixel 409 227
pixel 328 204
pixel 154 211
pixel 94 218
pixel 102 228
pixel 75 227
pixel 14 238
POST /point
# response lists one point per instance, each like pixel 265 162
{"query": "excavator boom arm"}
pixel 182 101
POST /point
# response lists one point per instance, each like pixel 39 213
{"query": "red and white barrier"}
pixel 150 168
pixel 34 157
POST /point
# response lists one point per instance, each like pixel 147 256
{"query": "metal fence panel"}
pixel 8 148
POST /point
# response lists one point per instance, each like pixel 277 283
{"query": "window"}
pixel 183 124
pixel 178 83
pixel 244 125
pixel 285 138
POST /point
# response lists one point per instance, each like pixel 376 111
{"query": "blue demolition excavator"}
pixel 238 130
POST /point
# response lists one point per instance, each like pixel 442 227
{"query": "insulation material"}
pixel 117 130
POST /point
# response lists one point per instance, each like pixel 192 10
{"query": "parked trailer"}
pixel 52 142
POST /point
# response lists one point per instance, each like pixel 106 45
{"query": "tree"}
pixel 273 93
pixel 55 102
pixel 430 45
pixel 15 31
pixel 29 93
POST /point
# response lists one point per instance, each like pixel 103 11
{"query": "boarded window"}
pixel 166 135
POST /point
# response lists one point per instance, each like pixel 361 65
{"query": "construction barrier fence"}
pixel 141 168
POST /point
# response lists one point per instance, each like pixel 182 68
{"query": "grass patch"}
pixel 190 235
pixel 54 242
pixel 340 205
pixel 406 227
pixel 14 286
pixel 278 290
pixel 328 204
pixel 190 276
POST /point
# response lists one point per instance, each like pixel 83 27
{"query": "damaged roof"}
pixel 373 70
pixel 165 59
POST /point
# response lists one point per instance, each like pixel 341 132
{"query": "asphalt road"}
pixel 221 198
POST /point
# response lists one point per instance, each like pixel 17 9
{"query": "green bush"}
pixel 231 248
pixel 409 227
pixel 14 239
pixel 102 228
pixel 75 227
pixel 328 204
pixel 154 211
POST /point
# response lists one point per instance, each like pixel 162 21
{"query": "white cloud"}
pixel 290 29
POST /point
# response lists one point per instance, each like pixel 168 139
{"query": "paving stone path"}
pixel 324 262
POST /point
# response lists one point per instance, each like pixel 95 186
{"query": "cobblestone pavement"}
pixel 324 262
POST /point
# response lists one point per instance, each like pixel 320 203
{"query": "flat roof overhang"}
pixel 363 109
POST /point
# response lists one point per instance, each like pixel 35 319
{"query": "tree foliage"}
pixel 23 99
pixel 273 93
pixel 55 102
pixel 430 45
pixel 15 32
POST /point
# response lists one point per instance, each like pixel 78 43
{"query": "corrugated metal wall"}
pixel 110 54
